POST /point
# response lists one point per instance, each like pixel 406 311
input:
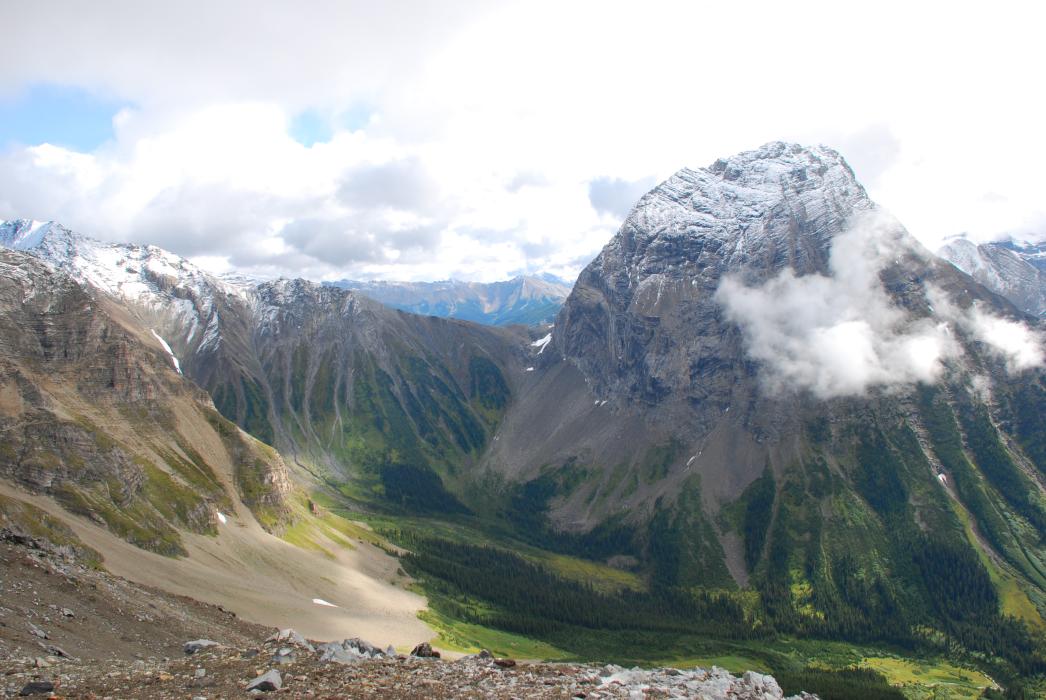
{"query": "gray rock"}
pixel 285 655
pixel 363 647
pixel 483 655
pixel 336 652
pixel 55 650
pixel 197 644
pixel 40 687
pixel 267 682
pixel 289 636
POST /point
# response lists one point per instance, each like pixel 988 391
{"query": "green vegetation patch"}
pixel 470 638
pixel 26 519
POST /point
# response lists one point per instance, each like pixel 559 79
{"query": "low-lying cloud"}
pixel 841 334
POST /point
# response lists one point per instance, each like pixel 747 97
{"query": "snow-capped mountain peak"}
pixel 735 192
pixel 170 293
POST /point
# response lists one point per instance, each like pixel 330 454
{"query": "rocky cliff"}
pixel 1009 269
pixel 95 415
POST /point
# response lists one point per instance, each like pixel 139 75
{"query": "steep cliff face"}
pixel 357 395
pixel 94 414
pixel 1009 269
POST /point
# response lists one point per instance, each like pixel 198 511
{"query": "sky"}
pixel 479 140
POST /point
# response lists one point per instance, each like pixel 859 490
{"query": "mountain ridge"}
pixel 525 299
pixel 1013 270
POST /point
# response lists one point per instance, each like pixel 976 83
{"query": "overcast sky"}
pixel 479 140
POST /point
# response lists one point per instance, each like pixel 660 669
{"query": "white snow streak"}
pixel 177 365
pixel 542 343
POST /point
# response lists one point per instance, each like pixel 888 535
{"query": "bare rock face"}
pixel 643 321
pixel 95 415
pixel 1009 269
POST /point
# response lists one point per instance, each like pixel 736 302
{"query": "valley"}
pixel 675 472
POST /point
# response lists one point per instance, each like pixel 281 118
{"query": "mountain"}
pixel 354 393
pixel 763 410
pixel 764 381
pixel 527 300
pixel 96 416
pixel 112 454
pixel 1033 253
pixel 1013 270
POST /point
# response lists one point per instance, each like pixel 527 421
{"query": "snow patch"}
pixel 321 601
pixel 542 343
pixel 177 365
pixel 221 518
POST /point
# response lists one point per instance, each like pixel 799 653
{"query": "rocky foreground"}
pixel 73 631
pixel 287 665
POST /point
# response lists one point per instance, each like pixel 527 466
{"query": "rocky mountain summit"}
pixel 1012 270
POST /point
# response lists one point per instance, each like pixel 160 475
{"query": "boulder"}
pixel 289 636
pixel 194 646
pixel 39 687
pixel 364 647
pixel 267 682
pixel 425 651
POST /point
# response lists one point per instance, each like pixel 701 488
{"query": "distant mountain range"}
pixel 527 300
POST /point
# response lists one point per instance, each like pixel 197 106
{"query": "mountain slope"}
pixel 526 300
pixel 95 416
pixel 1014 271
pixel 767 382
pixel 369 400
pixel 103 442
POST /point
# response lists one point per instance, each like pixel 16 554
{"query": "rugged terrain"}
pixel 1009 269
pixel 74 629
pixel 764 412
pixel 104 439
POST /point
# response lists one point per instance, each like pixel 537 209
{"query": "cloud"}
pixel 339 242
pixel 615 196
pixel 526 179
pixel 393 111
pixel 841 334
pixel 399 184
pixel 1019 346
